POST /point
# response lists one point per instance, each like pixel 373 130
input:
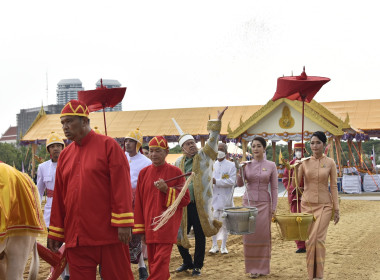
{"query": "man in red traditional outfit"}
pixel 292 194
pixel 92 201
pixel 153 197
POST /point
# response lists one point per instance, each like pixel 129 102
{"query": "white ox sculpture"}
pixel 15 252
pixel 21 221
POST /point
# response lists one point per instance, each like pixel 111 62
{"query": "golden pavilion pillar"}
pixel 330 152
pixel 351 156
pixel 338 154
pixel 360 153
pixel 244 147
pixel 274 151
pixel 34 149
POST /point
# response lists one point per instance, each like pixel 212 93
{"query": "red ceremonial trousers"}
pixel 150 203
pixel 92 193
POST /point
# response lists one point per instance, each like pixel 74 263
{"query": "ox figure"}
pixel 21 221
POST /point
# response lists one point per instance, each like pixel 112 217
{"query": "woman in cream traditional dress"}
pixel 259 173
pixel 319 200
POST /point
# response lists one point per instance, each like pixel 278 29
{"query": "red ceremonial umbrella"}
pixel 101 98
pixel 302 88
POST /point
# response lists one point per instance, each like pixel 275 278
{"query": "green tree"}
pixel 15 155
pixel 9 154
pixel 175 150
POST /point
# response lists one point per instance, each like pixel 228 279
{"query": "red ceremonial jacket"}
pixel 92 193
pixel 151 202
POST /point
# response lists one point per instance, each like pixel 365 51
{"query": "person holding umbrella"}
pixel 294 195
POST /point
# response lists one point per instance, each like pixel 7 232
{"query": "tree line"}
pixel 17 155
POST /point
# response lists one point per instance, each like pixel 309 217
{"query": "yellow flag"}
pixel 280 158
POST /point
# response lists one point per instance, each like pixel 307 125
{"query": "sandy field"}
pixel 352 250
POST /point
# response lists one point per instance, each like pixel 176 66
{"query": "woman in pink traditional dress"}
pixel 318 200
pixel 259 173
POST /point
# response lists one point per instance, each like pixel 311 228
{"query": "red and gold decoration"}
pixel 286 121
pixel 75 108
pixel 159 142
pixel 19 195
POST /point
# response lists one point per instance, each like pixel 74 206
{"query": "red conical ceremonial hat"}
pixel 75 108
pixel 158 142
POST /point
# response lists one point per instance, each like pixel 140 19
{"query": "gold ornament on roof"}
pixel 347 120
pixel 229 130
pixel 286 120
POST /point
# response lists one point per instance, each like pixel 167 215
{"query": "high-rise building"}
pixel 111 84
pixel 67 89
pixel 27 116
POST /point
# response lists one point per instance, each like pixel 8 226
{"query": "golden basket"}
pixel 294 226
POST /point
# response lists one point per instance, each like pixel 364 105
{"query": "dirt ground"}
pixel 352 250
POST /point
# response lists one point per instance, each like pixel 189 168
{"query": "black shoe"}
pixel 301 250
pixel 184 267
pixel 143 273
pixel 196 272
pixel 67 277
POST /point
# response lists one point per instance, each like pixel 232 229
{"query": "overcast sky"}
pixel 173 54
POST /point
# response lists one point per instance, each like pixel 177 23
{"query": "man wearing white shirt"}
pixel 46 179
pixel 46 172
pixel 224 182
pixel 137 161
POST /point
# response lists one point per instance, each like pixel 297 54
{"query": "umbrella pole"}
pixel 104 117
pixel 303 116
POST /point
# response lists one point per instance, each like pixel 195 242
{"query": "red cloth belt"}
pixel 49 193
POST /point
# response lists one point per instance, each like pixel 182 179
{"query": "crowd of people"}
pixel 102 201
